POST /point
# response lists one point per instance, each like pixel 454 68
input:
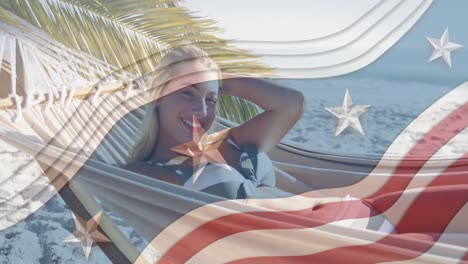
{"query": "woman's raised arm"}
pixel 283 108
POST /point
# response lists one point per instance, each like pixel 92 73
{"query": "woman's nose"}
pixel 199 109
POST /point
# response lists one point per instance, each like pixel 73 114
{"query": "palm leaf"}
pixel 120 36
pixel 133 35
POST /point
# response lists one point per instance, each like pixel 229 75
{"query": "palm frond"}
pixel 133 35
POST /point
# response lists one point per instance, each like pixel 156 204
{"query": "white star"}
pixel 348 115
pixel 86 233
pixel 442 48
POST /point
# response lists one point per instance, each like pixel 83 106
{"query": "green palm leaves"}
pixel 128 36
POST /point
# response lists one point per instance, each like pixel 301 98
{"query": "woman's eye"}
pixel 212 101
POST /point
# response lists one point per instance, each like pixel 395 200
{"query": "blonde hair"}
pixel 167 69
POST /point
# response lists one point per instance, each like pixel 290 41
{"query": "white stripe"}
pixel 350 49
pixel 283 242
pixel 360 53
pixel 306 241
pixel 374 38
pixel 209 212
pixel 332 39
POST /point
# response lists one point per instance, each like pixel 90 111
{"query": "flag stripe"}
pixel 404 142
pixel 457 174
pixel 432 170
pixel 445 130
pixel 303 242
pixel 206 213
pixel 413 133
pixel 394 209
pixel 440 207
pixel 392 247
pixel 204 235
pixel 281 242
pixel 232 224
pixel 458 197
pixel 424 208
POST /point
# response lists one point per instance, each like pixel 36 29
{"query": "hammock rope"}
pixel 84 133
pixel 82 145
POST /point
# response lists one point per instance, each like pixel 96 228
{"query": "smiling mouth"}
pixel 193 125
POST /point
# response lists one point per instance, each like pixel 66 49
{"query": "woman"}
pixel 185 91
pixel 186 88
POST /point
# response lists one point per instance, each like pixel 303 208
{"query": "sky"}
pixel 264 27
pixel 399 84
pixel 300 19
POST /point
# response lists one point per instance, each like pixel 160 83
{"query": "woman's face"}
pixel 188 108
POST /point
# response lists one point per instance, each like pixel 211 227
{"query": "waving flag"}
pixel 299 221
pixel 385 126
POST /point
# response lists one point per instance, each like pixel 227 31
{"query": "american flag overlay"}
pixel 410 196
pixel 374 171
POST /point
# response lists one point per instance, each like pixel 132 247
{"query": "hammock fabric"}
pixel 83 146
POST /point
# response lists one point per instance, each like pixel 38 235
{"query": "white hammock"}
pixel 88 142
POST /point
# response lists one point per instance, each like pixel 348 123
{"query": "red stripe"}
pixel 235 223
pixel 431 212
pixel 405 245
pixel 455 174
pixel 449 200
pixel 438 204
pixel 458 174
pixel 417 235
pixel 428 215
pixel 231 224
pixel 425 148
